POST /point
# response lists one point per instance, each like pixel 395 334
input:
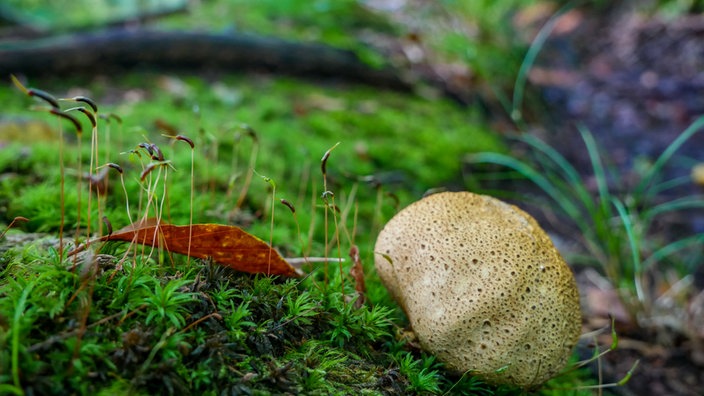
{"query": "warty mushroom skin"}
pixel 483 287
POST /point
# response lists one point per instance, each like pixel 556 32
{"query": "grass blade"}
pixel 574 184
pixel 651 175
pixel 671 248
pixel 669 184
pixel 531 174
pixel 690 202
pixel 535 47
pixel 599 173
pixel 625 217
pixel 19 311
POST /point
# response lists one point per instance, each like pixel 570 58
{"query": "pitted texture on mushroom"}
pixel 483 287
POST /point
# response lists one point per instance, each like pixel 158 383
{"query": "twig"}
pixel 297 262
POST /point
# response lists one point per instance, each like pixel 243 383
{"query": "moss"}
pixel 156 324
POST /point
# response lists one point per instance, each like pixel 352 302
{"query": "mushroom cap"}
pixel 483 287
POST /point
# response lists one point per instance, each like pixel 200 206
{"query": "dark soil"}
pixel 636 83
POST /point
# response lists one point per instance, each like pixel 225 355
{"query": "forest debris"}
pixel 227 245
pixel 357 273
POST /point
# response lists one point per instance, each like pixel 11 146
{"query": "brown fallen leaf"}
pixel 227 245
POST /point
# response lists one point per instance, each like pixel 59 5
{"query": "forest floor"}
pixel 635 82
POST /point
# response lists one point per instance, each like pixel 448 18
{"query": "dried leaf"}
pixel 357 273
pixel 227 245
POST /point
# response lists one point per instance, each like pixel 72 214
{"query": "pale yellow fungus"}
pixel 483 287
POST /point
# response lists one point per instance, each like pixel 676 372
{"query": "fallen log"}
pixel 118 49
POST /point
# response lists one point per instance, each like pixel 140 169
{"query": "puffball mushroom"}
pixel 483 287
